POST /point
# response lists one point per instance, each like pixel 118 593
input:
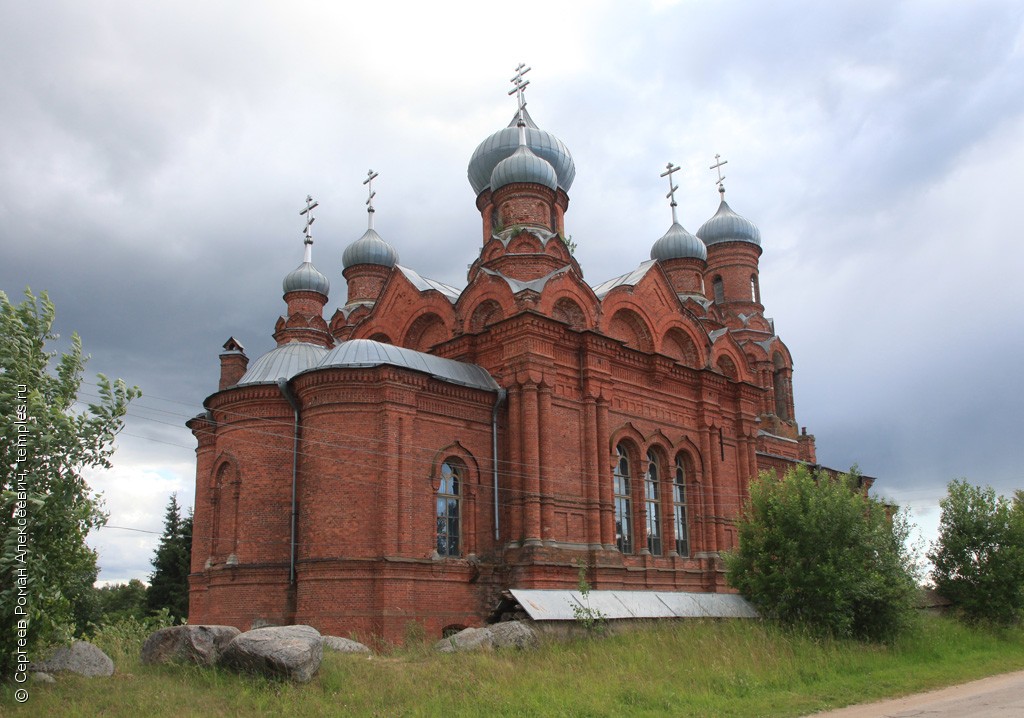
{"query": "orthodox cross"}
pixel 718 166
pixel 370 177
pixel 311 204
pixel 519 87
pixel 670 168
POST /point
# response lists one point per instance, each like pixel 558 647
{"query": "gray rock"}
pixel 40 677
pixel 344 645
pixel 80 657
pixel 200 645
pixel 290 652
pixel 511 634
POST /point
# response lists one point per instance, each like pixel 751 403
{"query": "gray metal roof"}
pixel 368 353
pixel 423 284
pixel 556 605
pixel 677 243
pixel 628 279
pixel 727 226
pixel 306 277
pixel 369 249
pixel 283 362
pixel 523 166
pixel 536 285
pixel 504 142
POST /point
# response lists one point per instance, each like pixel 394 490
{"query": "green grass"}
pixel 703 668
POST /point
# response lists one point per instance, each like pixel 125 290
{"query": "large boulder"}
pixel 201 645
pixel 511 634
pixel 290 652
pixel 344 645
pixel 80 657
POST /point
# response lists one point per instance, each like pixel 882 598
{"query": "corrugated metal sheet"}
pixel 626 279
pixel 365 352
pixel 283 362
pixel 423 284
pixel 554 605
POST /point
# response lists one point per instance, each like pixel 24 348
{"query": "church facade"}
pixel 427 448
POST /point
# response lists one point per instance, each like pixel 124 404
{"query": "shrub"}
pixel 816 551
pixel 979 555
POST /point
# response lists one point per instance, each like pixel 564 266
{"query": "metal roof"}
pixel 306 277
pixel 368 353
pixel 677 243
pixel 628 279
pixel 523 166
pixel 727 226
pixel 283 362
pixel 423 284
pixel 505 141
pixel 557 605
pixel 369 249
pixel 536 285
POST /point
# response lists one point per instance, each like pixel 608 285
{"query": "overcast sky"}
pixel 153 160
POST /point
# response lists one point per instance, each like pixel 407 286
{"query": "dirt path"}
pixel 997 696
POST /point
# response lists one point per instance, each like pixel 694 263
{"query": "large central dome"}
pixel 505 142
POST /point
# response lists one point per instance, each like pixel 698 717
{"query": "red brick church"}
pixel 427 448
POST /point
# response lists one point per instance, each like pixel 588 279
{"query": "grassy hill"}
pixel 699 668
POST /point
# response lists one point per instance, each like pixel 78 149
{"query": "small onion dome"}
pixel 505 142
pixel 307 278
pixel 678 244
pixel 727 226
pixel 523 166
pixel 369 249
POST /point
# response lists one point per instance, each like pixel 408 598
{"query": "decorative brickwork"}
pixel 340 474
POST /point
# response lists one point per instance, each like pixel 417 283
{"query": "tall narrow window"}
pixel 651 500
pixel 719 286
pixel 755 292
pixel 679 509
pixel 623 502
pixel 448 509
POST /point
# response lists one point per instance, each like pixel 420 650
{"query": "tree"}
pixel 979 554
pixel 121 601
pixel 168 584
pixel 816 551
pixel 46 570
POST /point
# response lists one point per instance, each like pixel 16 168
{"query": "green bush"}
pixel 815 551
pixel 979 555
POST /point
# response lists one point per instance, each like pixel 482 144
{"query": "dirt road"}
pixel 994 697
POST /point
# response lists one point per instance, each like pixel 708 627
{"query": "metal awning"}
pixel 557 605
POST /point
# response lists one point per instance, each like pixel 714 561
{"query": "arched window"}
pixel 755 291
pixel 679 509
pixel 448 508
pixel 719 286
pixel 651 500
pixel 623 502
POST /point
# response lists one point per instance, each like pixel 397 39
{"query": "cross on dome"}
pixel 670 168
pixel 370 177
pixel 718 166
pixel 519 87
pixel 307 231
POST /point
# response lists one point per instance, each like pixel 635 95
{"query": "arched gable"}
pixel 566 288
pixel 628 325
pixel 426 330
pixel 681 342
pixel 484 289
pixel 400 306
pixel 728 358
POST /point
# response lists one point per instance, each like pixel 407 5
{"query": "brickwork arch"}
pixel 680 345
pixel 629 327
pixel 425 331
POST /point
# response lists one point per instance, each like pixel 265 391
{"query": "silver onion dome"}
pixel 505 142
pixel 523 166
pixel 727 226
pixel 369 249
pixel 307 278
pixel 677 243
